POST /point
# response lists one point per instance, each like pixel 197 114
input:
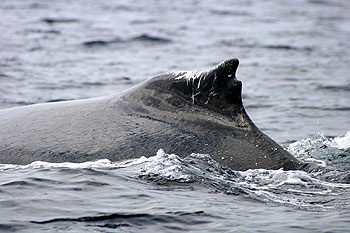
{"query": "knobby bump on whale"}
pixel 180 112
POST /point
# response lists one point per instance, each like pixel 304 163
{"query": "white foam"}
pixel 102 163
pixel 342 142
pixel 169 166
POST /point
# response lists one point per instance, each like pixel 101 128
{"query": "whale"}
pixel 181 112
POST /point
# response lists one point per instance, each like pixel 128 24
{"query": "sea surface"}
pixel 295 68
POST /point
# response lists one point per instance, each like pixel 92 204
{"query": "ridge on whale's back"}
pixel 181 112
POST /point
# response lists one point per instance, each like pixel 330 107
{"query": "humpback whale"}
pixel 180 112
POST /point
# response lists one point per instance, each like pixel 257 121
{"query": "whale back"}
pixel 180 112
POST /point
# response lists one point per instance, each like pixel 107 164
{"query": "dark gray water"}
pixel 295 67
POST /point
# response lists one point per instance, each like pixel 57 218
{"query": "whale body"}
pixel 180 112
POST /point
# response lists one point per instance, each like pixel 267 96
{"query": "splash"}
pixel 292 188
pixel 322 150
pixel 342 142
pixel 167 167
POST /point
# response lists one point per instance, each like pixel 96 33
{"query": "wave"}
pixel 243 43
pixel 140 38
pixel 150 38
pixel 179 221
pixel 344 108
pixel 59 20
pixel 334 88
pixel 229 12
pixel 57 32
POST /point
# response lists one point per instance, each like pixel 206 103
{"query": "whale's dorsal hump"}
pixel 216 89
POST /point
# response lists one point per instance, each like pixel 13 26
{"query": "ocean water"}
pixel 295 68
